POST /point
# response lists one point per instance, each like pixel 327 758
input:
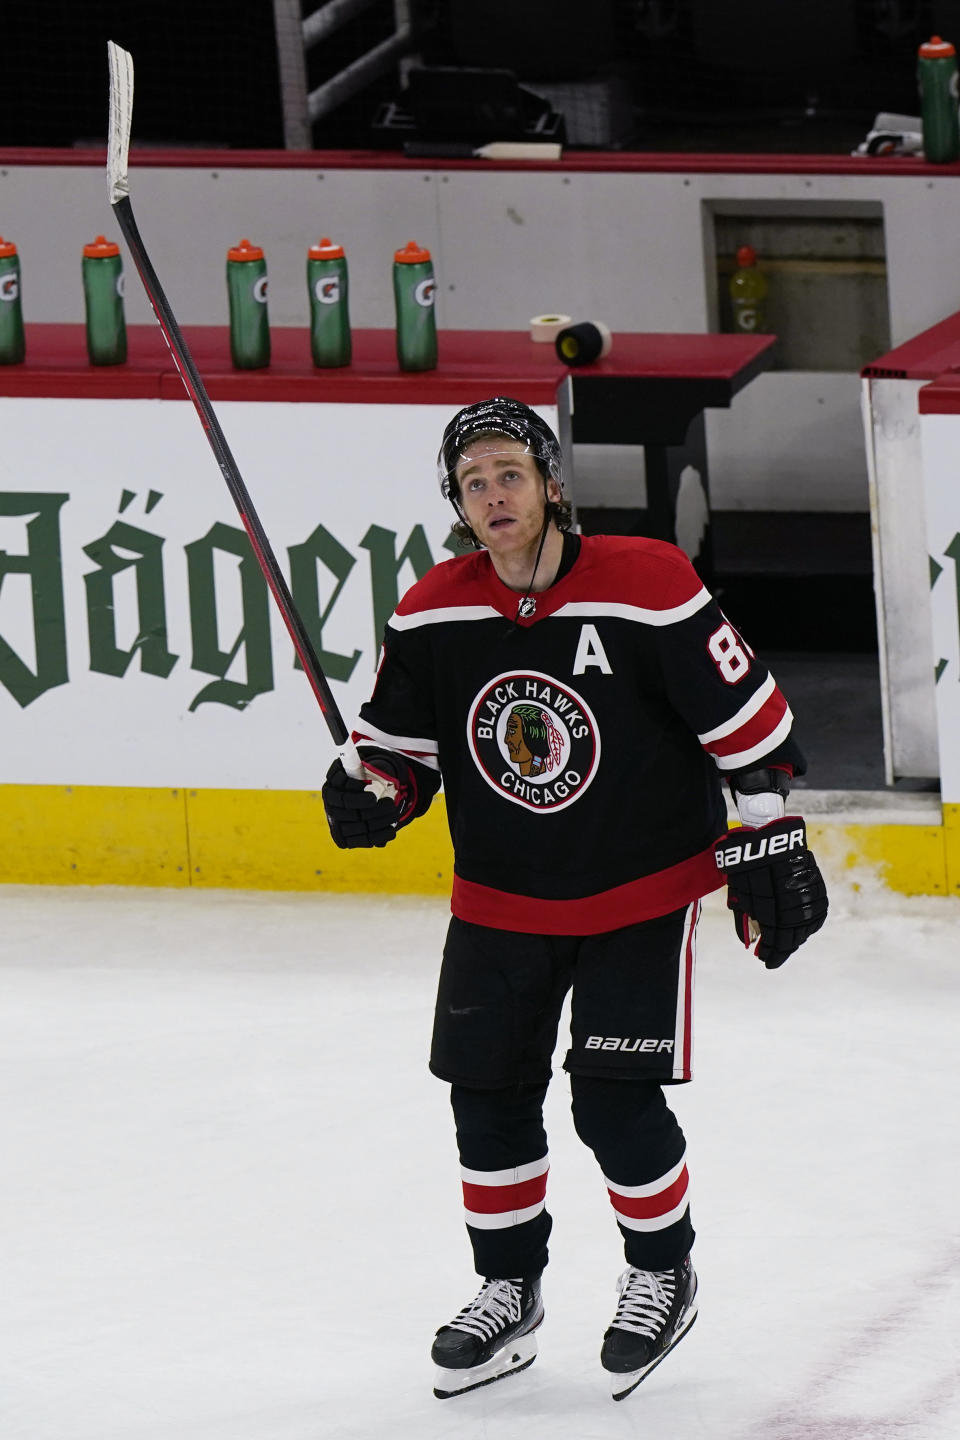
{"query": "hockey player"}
pixel 581 698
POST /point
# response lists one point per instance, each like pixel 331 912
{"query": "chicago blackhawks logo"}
pixel 533 740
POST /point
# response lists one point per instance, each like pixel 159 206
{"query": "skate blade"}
pixel 623 1385
pixel 516 1356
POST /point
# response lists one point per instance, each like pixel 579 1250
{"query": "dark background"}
pixel 781 75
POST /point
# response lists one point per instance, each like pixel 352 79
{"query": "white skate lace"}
pixel 645 1300
pixel 496 1307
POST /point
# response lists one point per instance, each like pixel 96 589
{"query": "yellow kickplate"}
pixel 278 840
pixel 92 835
pixel 911 859
pixel 951 827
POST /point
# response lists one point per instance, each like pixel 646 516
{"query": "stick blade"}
pixel 120 63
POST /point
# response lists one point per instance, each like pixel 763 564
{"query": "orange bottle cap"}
pixel 936 49
pixel 245 251
pixel 746 255
pixel 7 247
pixel 326 250
pixel 101 249
pixel 411 254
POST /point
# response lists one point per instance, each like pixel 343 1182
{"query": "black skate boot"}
pixel 656 1309
pixel 491 1338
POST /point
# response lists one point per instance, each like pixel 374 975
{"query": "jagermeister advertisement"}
pixel 139 644
pixel 940 434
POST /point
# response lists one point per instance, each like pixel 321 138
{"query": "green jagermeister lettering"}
pixel 456 546
pixel 323 547
pixel 385 567
pixel 953 550
pixel 106 656
pixel 254 634
pixel 43 564
pixel 936 571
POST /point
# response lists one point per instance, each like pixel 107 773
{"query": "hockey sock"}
pixel 641 1150
pixel 504 1164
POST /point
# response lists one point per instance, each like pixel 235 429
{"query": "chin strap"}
pixel 527 605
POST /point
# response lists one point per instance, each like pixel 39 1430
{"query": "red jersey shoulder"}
pixel 636 570
pixel 458 581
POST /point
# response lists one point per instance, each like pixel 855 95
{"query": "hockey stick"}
pixel 118 145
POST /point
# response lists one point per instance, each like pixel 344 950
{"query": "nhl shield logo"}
pixel 534 740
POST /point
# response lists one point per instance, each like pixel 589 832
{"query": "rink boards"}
pixel 278 840
pixel 157 731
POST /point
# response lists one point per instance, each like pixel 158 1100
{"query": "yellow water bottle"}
pixel 748 294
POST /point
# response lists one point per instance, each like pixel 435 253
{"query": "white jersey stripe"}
pixel 617 611
pixel 505 1219
pixel 655 1222
pixel 574 609
pixel 745 713
pixel 443 615
pixel 637 1192
pixel 746 757
pixel 506 1177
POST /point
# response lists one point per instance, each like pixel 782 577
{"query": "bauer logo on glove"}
pixel 773 880
pixel 758 845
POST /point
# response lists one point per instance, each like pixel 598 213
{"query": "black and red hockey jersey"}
pixel 581 749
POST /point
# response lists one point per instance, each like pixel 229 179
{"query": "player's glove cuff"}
pixel 774 880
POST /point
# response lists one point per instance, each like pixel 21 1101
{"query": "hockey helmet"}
pixel 499 416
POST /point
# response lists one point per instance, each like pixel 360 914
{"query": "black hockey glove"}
pixel 773 879
pixel 355 816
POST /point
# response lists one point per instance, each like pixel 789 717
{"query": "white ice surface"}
pixel 230 1206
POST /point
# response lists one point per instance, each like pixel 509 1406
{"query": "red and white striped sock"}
pixel 498 1199
pixel 655 1205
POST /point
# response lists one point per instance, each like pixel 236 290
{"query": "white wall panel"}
pixel 629 248
pixel 789 441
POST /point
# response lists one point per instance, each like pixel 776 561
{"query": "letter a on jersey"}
pixel 590 651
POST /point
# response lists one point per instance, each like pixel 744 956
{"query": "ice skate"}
pixel 656 1309
pixel 491 1338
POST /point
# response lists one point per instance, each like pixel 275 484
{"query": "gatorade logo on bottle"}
pixel 260 290
pixel 327 290
pixel 120 285
pixel 9 287
pixel 425 292
pixel 747 319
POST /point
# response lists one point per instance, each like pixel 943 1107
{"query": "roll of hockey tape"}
pixel 547 327
pixel 582 344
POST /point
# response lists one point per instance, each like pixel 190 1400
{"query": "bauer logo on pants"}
pixel 533 740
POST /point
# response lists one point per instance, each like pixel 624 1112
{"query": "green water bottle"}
pixel 12 344
pixel 414 290
pixel 327 286
pixel 937 78
pixel 748 294
pixel 103 299
pixel 247 292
